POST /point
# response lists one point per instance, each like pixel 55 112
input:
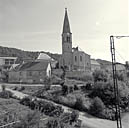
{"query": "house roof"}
pixel 32 66
pixel 14 58
pixel 43 56
pixel 94 62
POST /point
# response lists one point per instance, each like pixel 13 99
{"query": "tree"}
pixel 127 65
pixel 97 107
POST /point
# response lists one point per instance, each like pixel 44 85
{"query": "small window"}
pixel 75 58
pixel 40 73
pixel 30 73
pixel 20 73
pixel 80 58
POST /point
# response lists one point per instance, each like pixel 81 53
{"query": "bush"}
pixel 26 101
pixel 84 77
pixel 21 88
pixel 127 74
pixel 3 87
pixel 31 120
pixel 97 107
pixel 74 116
pixel 120 76
pixel 6 94
pixel 81 104
pixel 100 75
pixel 65 89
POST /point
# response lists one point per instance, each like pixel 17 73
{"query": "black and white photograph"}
pixel 64 64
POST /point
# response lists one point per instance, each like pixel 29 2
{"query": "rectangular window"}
pixel 20 73
pixel 30 73
pixel 6 61
pixel 75 58
pixel 80 58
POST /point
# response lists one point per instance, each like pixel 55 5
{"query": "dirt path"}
pixel 87 120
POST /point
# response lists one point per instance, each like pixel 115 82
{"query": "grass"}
pixel 13 107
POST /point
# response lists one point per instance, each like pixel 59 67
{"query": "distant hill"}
pixel 104 62
pixel 21 54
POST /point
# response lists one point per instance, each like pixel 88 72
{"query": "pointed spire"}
pixel 66 26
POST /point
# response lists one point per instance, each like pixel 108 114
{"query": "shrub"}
pixel 3 87
pixel 81 104
pixel 97 107
pixel 84 77
pixel 120 76
pixel 21 88
pixel 53 123
pixel 26 101
pixel 76 87
pixel 68 101
pixel 6 94
pixel 100 75
pixel 127 74
pixel 31 120
pixel 74 116
pixel 65 89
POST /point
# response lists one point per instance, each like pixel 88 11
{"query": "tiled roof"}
pixel 32 66
pixel 93 61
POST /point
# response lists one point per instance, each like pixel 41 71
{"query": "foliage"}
pixel 105 91
pixel 79 103
pixel 43 106
pixel 66 120
pixel 121 76
pixel 5 93
pixel 65 89
pixel 26 101
pixel 100 75
pixel 127 74
pixel 31 120
pixel 74 116
pixel 47 83
pixel 84 77
pixel 97 107
pixel 127 65
pixel 3 87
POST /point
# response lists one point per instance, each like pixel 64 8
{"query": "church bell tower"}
pixel 67 43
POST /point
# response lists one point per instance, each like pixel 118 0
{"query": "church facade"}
pixel 72 58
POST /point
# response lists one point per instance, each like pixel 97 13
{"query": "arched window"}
pixel 68 39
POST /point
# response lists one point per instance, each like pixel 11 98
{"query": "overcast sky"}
pixel 37 25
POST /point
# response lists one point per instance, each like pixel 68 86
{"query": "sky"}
pixel 36 25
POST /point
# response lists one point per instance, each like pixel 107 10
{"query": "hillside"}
pixel 21 54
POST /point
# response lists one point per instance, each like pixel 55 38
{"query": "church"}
pixel 73 59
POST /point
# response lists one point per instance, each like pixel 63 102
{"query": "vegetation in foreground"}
pixel 94 96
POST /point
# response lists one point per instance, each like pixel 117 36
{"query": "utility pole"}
pixel 116 92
